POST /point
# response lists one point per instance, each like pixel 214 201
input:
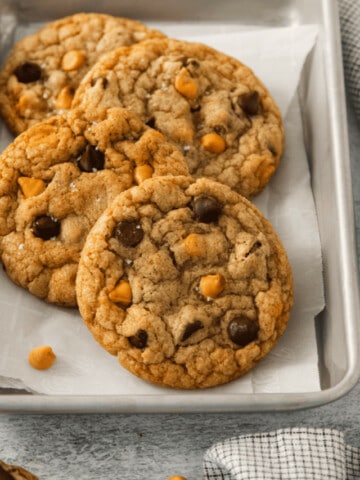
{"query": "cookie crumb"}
pixel 42 357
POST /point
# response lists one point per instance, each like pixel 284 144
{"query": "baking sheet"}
pixel 155 399
pixel 83 367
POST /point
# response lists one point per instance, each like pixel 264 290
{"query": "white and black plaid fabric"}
pixel 350 36
pixel 286 454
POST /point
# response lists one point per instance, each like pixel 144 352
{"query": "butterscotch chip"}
pixel 142 172
pixel 184 84
pixel 121 293
pixel 42 358
pixel 195 244
pixel 31 186
pixel 64 98
pixel 194 321
pixel 43 68
pixel 56 181
pixel 212 142
pixel 211 286
pixel 210 105
pixel 72 60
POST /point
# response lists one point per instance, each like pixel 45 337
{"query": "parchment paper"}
pixel 83 367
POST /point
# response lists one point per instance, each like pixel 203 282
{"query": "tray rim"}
pixel 154 403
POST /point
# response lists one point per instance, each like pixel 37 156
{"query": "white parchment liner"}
pixel 83 367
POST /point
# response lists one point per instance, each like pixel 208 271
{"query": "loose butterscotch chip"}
pixel 176 477
pixel 31 186
pixel 42 357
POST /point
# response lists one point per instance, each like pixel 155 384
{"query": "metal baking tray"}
pixel 322 96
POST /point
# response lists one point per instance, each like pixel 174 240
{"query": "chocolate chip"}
pixel 191 62
pixel 139 340
pixel 195 108
pixel 272 149
pixel 151 122
pixel 242 330
pixel 220 129
pixel 46 227
pixel 254 248
pixel 207 209
pixel 27 72
pixel 129 233
pixel 190 329
pixel 250 102
pixel 91 160
pixel 183 59
pixel 104 82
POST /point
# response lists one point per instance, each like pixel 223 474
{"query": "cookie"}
pixel 55 183
pixel 43 70
pixel 13 472
pixel 185 281
pixel 211 106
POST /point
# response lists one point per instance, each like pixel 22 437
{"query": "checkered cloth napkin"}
pixel 350 35
pixel 286 454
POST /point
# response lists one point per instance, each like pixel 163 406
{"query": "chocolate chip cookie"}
pixel 55 183
pixel 185 281
pixel 211 106
pixel 13 472
pixel 44 69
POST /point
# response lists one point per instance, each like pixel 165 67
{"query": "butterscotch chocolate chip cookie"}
pixel 185 281
pixel 54 184
pixel 211 106
pixel 13 472
pixel 43 70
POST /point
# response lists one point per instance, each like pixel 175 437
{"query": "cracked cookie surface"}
pixel 43 70
pixel 54 184
pixel 185 281
pixel 210 105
